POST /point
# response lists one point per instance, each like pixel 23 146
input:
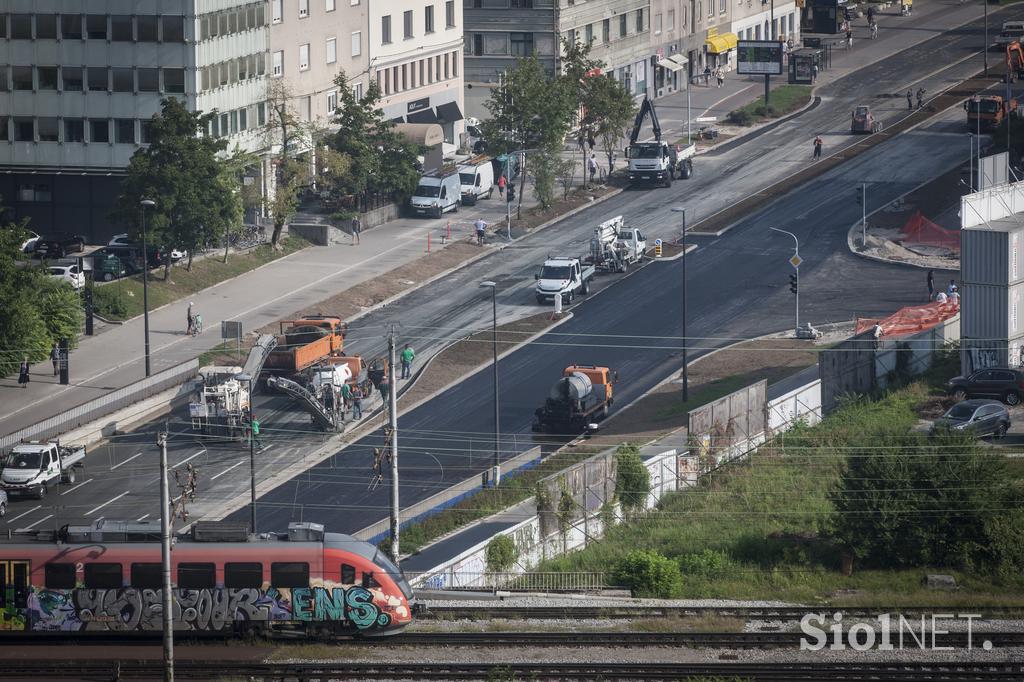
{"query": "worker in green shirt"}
pixel 255 429
pixel 407 358
pixel 346 397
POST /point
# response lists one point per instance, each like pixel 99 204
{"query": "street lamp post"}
pixel 985 51
pixel 145 203
pixel 494 345
pixel 795 261
pixel 686 370
pixel 246 377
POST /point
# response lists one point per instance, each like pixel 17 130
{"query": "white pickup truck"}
pixel 614 246
pixel 31 468
pixel 562 276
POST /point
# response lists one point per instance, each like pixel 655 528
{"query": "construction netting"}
pixel 911 319
pixel 920 230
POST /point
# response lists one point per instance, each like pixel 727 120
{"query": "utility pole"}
pixel 864 214
pixel 165 558
pixel 393 435
pixel 985 51
pixel 686 369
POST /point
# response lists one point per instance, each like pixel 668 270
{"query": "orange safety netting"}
pixel 911 319
pixel 920 230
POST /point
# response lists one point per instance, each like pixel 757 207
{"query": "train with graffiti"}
pixel 107 577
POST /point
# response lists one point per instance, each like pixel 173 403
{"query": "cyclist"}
pixel 191 320
pixel 481 226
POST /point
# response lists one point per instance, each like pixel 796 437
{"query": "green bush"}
pixel 60 306
pixel 632 480
pixel 501 553
pixel 740 117
pixel 343 215
pixel 708 563
pixel 110 302
pixel 649 574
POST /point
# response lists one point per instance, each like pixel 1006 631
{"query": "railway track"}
pixel 760 672
pixel 484 612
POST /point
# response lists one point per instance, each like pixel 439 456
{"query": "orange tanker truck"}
pixel 581 397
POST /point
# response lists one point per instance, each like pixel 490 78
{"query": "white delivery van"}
pixel 437 193
pixel 477 178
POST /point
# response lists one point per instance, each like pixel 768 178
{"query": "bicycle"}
pixel 197 325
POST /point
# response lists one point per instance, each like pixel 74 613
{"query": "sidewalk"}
pixel 114 358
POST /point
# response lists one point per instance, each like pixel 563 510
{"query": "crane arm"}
pixel 646 109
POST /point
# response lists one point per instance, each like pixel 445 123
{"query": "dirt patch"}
pixel 464 356
pixel 532 218
pixel 662 410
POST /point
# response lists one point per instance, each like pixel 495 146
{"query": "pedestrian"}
pixel 720 76
pixel 849 40
pixel 501 183
pixel 55 358
pixel 254 430
pixel 581 141
pixel 407 357
pixel 23 377
pixel 871 15
pixel 931 284
pixel 673 159
pixel 356 229
pixel 707 75
pixel 954 297
pixel 191 319
pixel 817 147
pixel 910 99
pixel 920 97
pixel 874 30
pixel 481 230
pixel 814 71
pixel 357 402
pixel 384 387
pixel 941 297
pixel 346 397
pixel 592 166
pixel 951 287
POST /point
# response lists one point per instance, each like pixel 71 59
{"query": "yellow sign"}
pixel 657 248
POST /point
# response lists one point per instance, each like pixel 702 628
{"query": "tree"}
pixel 233 179
pixel 532 110
pixel 60 308
pixel 548 167
pixel 632 480
pixel 578 70
pixel 181 172
pixel 610 112
pixel 285 133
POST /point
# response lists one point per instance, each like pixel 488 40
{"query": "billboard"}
pixel 759 57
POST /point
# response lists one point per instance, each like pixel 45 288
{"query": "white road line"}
pixel 263 449
pixel 30 526
pixel 15 518
pixel 76 487
pixel 214 478
pixel 142 518
pixel 113 499
pixel 188 459
pixel 138 454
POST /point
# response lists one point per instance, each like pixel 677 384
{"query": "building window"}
pixel 46 26
pixel 243 119
pixel 422 73
pixel 447 71
pixel 149 80
pixel 21 77
pixel 261 113
pixel 357 91
pixel 275 11
pixel 640 20
pixel 148 26
pixel 721 6
pixel 304 57
pixel 47 77
pixel 332 102
pixel 124 129
pixel 21 26
pixel 357 43
pixel 303 8
pixel 71 26
pixel 124 80
pixel 74 130
pixel 332 50
pixel 97 79
pixel 121 28
pixel 385 29
pixel 623 26
pixel 670 20
pixel 96 26
pixel 4 85
pixel 428 19
pixel 455 64
pixel 657 24
pixel 407 23
pixel 48 128
pixel 71 78
pixel 449 14
pixel 589 34
pixel 570 36
pixel 99 130
pixel 24 129
pixel 278 63
pixel 606 30
pixel 173 28
pixel 329 6
pixel 522 44
pixel 243 68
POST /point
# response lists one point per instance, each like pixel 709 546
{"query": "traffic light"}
pixel 793 283
pixel 511 193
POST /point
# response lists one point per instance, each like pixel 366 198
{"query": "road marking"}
pixel 189 459
pixel 38 506
pixel 214 478
pixel 138 454
pixel 76 487
pixel 113 499
pixel 263 449
pixel 142 518
pixel 30 526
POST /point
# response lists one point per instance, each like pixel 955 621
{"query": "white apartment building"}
pixel 80 79
pixel 766 20
pixel 415 53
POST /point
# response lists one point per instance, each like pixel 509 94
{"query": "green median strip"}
pixel 784 100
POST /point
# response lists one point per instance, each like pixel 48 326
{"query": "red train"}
pixel 107 578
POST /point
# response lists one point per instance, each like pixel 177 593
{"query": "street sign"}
pixel 795 261
pixel 705 119
pixel 230 329
pixel 657 248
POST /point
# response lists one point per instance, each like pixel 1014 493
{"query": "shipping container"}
pixel 991 312
pixel 992 255
pixel 977 354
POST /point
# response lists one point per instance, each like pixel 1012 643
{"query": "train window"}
pixel 290 574
pixel 348 574
pixel 147 576
pixel 243 575
pixel 60 576
pixel 103 576
pixel 369 581
pixel 197 576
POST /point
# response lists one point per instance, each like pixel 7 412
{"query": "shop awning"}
pixel 400 119
pixel 449 112
pixel 676 62
pixel 426 134
pixel 723 42
pixel 422 116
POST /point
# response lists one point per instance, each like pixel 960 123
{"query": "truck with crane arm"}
pixel 652 162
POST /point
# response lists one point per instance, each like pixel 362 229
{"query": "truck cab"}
pixel 562 277
pixel 649 162
pixel 477 180
pixel 31 468
pixel 436 194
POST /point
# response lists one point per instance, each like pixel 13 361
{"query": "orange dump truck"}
pixel 988 112
pixel 306 342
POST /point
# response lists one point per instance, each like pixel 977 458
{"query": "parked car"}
pixel 3 503
pixel 979 417
pixel 59 245
pixel 121 240
pixel 67 273
pixel 999 383
pixel 124 240
pixel 106 266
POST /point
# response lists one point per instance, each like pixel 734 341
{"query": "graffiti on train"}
pixel 132 608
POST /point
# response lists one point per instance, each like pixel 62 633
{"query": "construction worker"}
pixel 920 97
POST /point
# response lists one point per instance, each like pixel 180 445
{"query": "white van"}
pixel 1012 31
pixel 477 178
pixel 436 194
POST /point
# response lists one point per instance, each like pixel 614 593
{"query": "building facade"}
pixel 766 20
pixel 415 54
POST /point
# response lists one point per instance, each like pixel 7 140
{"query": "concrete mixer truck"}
pixel 581 398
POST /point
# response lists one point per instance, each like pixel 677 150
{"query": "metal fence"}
pixel 104 405
pixel 546 581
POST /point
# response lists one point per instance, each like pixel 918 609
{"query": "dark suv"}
pixel 58 245
pixel 1000 383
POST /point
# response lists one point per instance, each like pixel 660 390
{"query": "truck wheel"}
pixel 604 413
pixel 458 202
pixel 3 509
pixel 108 276
pixel 437 212
pixel 585 289
pixel 540 299
pixel 668 181
pixel 41 493
pixel 490 192
pixel 70 476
